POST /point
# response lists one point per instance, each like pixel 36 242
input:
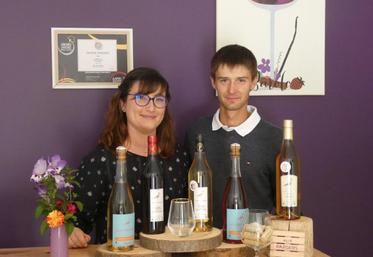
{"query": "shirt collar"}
pixel 244 128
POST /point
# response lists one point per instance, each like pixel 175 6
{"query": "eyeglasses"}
pixel 159 101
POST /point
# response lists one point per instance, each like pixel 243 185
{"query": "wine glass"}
pixel 181 220
pixel 272 6
pixel 257 233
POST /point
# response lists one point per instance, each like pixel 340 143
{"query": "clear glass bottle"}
pixel 288 177
pixel 120 210
pixel 152 192
pixel 200 188
pixel 235 206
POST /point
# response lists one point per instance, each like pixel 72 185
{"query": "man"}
pixel 233 76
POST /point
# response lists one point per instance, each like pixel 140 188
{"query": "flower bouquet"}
pixel 54 182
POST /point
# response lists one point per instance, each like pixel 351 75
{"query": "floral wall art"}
pixel 287 38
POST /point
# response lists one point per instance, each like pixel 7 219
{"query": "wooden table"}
pixel 91 250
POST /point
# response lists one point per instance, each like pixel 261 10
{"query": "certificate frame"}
pixel 90 58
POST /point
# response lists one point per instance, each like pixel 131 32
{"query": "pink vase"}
pixel 58 242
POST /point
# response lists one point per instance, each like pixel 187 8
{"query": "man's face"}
pixel 233 85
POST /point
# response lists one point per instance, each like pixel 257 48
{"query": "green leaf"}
pixel 43 227
pixel 39 210
pixel 69 228
pixel 79 205
pixel 68 216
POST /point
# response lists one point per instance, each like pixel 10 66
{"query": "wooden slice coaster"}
pixel 169 243
pixel 102 251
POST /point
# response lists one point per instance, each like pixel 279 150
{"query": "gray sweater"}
pixel 258 158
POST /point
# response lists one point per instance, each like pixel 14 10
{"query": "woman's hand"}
pixel 78 239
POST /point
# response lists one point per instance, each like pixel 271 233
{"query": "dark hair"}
pixel 115 131
pixel 233 55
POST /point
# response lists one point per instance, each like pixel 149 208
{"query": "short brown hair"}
pixel 115 131
pixel 233 55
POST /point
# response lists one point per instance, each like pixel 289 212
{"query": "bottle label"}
pixel 289 189
pixel 201 203
pixel 285 167
pixel 156 205
pixel 123 230
pixel 236 218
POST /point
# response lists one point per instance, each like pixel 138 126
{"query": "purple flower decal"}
pixel 40 167
pixel 264 66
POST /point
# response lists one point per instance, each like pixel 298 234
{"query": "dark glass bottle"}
pixel 120 210
pixel 288 177
pixel 152 192
pixel 235 207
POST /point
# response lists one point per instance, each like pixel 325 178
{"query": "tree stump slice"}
pixel 169 243
pixel 304 224
pixel 137 251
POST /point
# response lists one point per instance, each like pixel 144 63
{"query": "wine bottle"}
pixel 152 192
pixel 120 210
pixel 200 188
pixel 288 177
pixel 235 207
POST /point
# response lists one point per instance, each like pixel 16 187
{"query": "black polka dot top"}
pixel 96 176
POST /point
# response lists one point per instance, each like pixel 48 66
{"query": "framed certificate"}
pixel 90 57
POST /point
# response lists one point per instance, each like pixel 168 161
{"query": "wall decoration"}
pixel 286 36
pixel 90 57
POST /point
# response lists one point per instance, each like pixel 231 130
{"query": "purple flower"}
pixel 56 164
pixel 264 66
pixel 60 181
pixel 42 192
pixel 40 167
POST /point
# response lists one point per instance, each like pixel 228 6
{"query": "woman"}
pixel 139 109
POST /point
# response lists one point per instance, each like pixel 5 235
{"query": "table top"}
pixel 83 252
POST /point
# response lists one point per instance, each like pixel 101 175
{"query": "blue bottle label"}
pixel 236 218
pixel 123 230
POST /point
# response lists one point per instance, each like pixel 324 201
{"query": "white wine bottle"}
pixel 288 177
pixel 120 210
pixel 200 188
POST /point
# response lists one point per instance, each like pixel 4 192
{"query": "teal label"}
pixel 123 230
pixel 236 218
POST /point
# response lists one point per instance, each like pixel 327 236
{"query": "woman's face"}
pixel 144 119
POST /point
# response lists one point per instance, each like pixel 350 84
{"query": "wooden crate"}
pixel 292 238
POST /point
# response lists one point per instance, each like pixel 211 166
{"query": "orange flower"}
pixel 55 219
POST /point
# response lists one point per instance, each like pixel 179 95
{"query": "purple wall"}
pixel 178 38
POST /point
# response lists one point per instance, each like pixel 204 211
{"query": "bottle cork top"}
pixel 121 152
pixel 235 149
pixel 288 123
pixel 199 143
pixel 152 145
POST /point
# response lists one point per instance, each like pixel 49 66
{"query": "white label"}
pixel 156 205
pixel 97 55
pixel 289 184
pixel 193 185
pixel 285 167
pixel 201 203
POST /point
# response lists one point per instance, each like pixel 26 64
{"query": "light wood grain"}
pixel 91 250
pixel 137 251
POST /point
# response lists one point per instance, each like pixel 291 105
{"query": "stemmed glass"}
pixel 257 233
pixel 181 217
pixel 272 6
